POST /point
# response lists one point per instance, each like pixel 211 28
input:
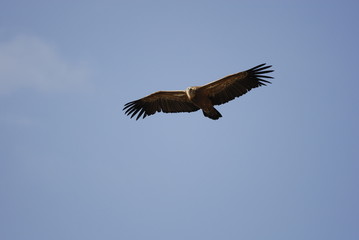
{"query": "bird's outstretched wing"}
pixel 165 101
pixel 235 85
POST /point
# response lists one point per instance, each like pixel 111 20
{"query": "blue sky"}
pixel 282 163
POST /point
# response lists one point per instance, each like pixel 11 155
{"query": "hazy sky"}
pixel 281 164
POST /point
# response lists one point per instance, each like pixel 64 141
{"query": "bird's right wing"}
pixel 235 85
pixel 161 101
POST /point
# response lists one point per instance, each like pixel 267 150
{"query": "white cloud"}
pixel 30 63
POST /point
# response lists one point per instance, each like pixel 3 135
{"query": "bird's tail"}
pixel 212 114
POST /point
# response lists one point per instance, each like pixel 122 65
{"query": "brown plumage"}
pixel 201 97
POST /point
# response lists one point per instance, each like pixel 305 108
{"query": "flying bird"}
pixel 200 97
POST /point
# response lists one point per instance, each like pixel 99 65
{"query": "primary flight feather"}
pixel 200 97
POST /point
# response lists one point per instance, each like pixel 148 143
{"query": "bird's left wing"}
pixel 235 85
pixel 165 101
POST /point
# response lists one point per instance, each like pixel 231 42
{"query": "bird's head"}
pixel 191 91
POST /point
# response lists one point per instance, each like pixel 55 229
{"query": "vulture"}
pixel 200 97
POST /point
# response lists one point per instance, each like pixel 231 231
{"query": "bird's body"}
pixel 200 97
pixel 201 100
